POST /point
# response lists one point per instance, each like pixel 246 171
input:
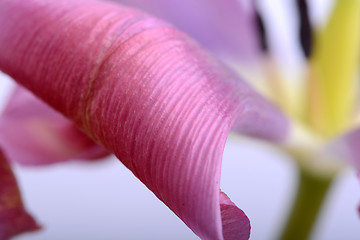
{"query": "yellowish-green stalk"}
pixel 332 83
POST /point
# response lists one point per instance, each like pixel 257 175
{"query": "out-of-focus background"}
pixel 103 200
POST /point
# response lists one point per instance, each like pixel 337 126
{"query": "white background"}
pixel 105 201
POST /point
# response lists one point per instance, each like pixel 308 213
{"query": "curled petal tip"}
pixel 235 223
pixel 14 222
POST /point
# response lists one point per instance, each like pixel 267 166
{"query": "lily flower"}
pixel 144 91
pixel 148 93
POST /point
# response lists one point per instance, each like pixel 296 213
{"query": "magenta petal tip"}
pixel 14 219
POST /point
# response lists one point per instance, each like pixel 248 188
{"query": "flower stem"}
pixel 311 193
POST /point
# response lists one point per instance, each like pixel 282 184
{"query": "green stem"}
pixel 310 196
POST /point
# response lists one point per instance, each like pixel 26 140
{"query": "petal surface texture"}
pixel 13 217
pixel 226 29
pixel 146 92
pixel 32 133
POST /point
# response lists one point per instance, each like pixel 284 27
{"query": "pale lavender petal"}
pixel 226 28
pixel 145 91
pixel 352 141
pixel 347 147
pixel 359 204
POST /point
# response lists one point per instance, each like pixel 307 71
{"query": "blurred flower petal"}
pixel 13 217
pixel 226 29
pixel 146 92
pixel 32 133
pixel 347 148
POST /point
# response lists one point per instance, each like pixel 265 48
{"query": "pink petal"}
pixel 13 217
pixel 347 147
pixel 225 28
pixel 359 204
pixel 352 141
pixel 143 90
pixel 32 133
